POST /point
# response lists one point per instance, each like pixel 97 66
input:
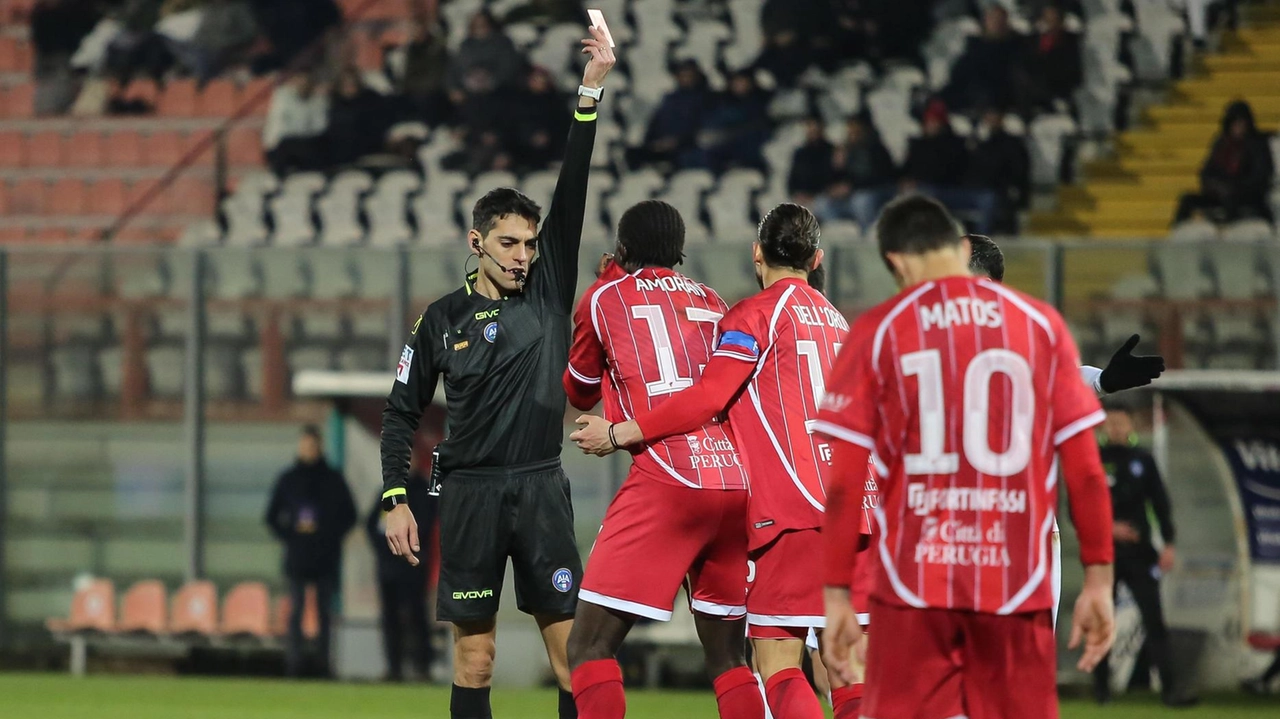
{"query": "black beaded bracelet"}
pixel 613 441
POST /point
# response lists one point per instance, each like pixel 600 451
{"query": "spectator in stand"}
pixel 671 138
pixel 486 126
pixel 1236 177
pixel 359 119
pixel 545 12
pixel 812 170
pixel 137 48
pixel 293 26
pixel 543 126
pixel 1053 68
pixel 864 176
pixel 797 34
pixel 999 162
pixel 57 29
pixel 984 72
pixel 310 512
pixel 293 135
pixel 225 33
pixel 486 48
pixel 937 165
pixel 735 131
pixel 881 31
pixel 426 67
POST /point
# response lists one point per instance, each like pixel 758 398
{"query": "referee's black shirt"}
pixel 502 360
pixel 1135 484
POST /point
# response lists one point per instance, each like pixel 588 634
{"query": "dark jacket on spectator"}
pixel 311 511
pixel 941 160
pixel 1000 163
pixel 982 75
pixel 494 53
pixel 867 164
pixel 811 169
pixel 543 128
pixel 1239 169
pixel 680 115
pixel 1054 63
pixel 358 125
pixel 426 66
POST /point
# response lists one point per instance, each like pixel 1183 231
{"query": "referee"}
pixel 501 341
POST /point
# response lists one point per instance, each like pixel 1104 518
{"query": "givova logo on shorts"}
pixel 474 594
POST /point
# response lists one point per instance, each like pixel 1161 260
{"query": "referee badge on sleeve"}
pixel 562 580
pixel 402 368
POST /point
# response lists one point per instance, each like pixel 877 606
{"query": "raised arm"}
pixel 560 238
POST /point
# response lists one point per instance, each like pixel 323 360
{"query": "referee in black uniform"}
pixel 502 344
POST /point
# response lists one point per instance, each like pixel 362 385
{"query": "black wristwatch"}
pixel 389 503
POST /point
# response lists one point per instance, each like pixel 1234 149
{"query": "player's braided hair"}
pixel 789 236
pixel 986 257
pixel 651 234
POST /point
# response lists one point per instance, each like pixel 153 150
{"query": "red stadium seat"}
pixel 195 609
pixel 178 99
pixel 11 148
pixel 66 197
pixel 163 148
pixel 93 608
pixel 107 196
pixel 191 196
pixel 9 52
pixel 143 608
pixel 217 99
pixel 143 90
pixel 253 89
pixel 310 616
pixel 124 149
pixel 19 100
pixel 13 234
pixel 247 610
pixel 206 156
pixel 26 197
pixel 244 146
pixel 85 149
pixel 159 202
pixel 44 149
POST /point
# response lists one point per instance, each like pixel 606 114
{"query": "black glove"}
pixel 1125 371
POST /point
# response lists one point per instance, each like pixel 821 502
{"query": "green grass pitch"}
pixel 53 696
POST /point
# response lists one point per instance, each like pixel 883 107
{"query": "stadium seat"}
pixel 330 273
pixel 455 15
pixel 12 148
pixel 748 36
pixel 164 378
pixel 291 209
pixel 363 358
pixel 27 197
pixel 339 208
pixel 684 192
pixel 195 609
pixel 387 208
pixel 1046 136
pixel 310 615
pixel 190 194
pixel 143 609
pixel 106 196
pixel 235 273
pixel 244 146
pixel 178 99
pixel 1181 271
pixel 1235 268
pixel 84 148
pixel 593 223
pixel 1194 231
pixel 246 610
pixel 1248 231
pixel 124 149
pixel 67 196
pixel 556 49
pixel 19 101
pixel 162 148
pixel 434 209
pixel 702 43
pixel 244 212
pixel 281 273
pixel 44 149
pixel 218 98
pixel 75 371
pixel 93 609
pixel 303 357
pixel 633 187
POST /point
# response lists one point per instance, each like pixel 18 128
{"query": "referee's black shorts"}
pixel 490 514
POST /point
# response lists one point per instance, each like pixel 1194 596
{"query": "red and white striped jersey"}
pixel 792 334
pixel 962 389
pixel 646 336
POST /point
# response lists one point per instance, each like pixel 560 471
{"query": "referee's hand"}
pixel 402 533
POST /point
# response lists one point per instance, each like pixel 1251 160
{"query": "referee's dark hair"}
pixel 985 257
pixel 914 225
pixel 788 237
pixel 651 234
pixel 500 202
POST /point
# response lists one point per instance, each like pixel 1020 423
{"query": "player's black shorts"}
pixel 489 514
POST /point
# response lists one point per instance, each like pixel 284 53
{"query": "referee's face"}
pixel 511 244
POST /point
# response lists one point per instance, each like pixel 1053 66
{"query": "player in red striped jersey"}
pixel 769 368
pixel 642 333
pixel 966 394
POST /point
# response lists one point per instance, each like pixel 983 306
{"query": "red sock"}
pixel 738 695
pixel 790 696
pixel 846 702
pixel 597 690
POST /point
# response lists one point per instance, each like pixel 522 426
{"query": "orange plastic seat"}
pixel 217 99
pixel 163 148
pixel 19 234
pixel 19 101
pixel 310 616
pixel 247 610
pixel 191 196
pixel 244 146
pixel 124 149
pixel 11 148
pixel 85 149
pixel 145 90
pixel 195 609
pixel 178 99
pixel 93 608
pixel 44 149
pixel 66 197
pixel 26 197
pixel 257 88
pixel 106 197
pixel 159 202
pixel 143 608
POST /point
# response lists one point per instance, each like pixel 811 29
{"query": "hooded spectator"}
pixel 544 122
pixel 486 48
pixel 1237 175
pixel 735 131
pixel 983 75
pixel 671 137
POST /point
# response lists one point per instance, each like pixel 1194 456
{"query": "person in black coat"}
pixel 811 167
pixel 311 510
pixel 402 587
pixel 1236 177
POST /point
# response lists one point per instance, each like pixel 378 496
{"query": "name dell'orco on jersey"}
pixel 960 311
pixel 819 317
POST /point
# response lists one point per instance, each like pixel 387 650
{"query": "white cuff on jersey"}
pixel 582 377
pixel 1092 377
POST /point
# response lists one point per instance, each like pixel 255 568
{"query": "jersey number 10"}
pixel 926 365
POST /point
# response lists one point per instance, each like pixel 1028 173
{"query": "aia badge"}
pixel 491 332
pixel 562 580
pixel 402 368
